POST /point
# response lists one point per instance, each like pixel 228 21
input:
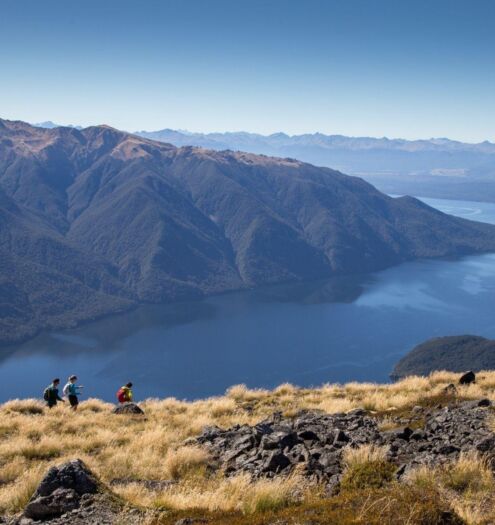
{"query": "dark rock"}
pixel 467 378
pixel 276 462
pixel 308 435
pixel 316 441
pixel 484 403
pixel 127 408
pixel 72 475
pixel 60 490
pixel 357 412
pixel 404 434
pixel 450 390
pixel 57 503
pixel 418 435
pixel 486 445
pixel 448 449
pixel 279 440
pixel 341 437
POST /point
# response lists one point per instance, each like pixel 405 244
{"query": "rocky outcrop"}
pixel 315 442
pixel 128 408
pixel 61 490
pixel 70 493
pixel 446 433
pixel 278 445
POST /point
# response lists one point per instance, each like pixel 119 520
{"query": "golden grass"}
pixel 152 447
pixel 366 467
pixel 467 486
pixel 238 493
pixel 364 454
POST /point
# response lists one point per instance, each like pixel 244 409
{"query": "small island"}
pixel 456 353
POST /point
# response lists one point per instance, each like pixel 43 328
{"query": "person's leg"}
pixel 73 402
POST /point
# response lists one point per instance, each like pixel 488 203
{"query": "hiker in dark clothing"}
pixel 51 393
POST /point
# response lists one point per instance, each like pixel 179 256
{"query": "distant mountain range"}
pixel 50 125
pixel 97 220
pixel 431 168
pixel 436 167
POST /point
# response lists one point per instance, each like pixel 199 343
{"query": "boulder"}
pixel 467 378
pixel 60 491
pixel 127 408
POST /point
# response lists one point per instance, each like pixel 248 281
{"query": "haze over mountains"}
pixel 95 221
pixel 431 168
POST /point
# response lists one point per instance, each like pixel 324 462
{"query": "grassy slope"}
pixel 152 448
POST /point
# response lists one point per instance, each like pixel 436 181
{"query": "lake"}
pixel 342 329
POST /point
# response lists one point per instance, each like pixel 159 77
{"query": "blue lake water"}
pixel 342 329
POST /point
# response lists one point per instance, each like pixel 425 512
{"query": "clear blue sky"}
pixel 398 68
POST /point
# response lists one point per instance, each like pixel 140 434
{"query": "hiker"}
pixel 71 391
pixel 124 393
pixel 50 395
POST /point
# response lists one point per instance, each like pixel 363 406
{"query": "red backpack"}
pixel 121 395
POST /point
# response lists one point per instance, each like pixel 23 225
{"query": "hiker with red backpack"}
pixel 124 393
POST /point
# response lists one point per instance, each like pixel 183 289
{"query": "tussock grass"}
pixel 152 448
pixel 24 406
pixel 185 461
pixel 366 467
pixel 467 486
pixel 469 473
pixel 238 493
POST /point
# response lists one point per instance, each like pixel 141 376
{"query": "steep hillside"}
pixel 458 353
pixel 96 220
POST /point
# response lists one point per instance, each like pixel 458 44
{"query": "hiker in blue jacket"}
pixel 72 392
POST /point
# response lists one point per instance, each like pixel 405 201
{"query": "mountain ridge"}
pixel 110 220
pixel 438 167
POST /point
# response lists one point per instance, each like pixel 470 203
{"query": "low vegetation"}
pixel 149 462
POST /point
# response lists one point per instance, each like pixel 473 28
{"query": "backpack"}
pixel 46 394
pixel 121 395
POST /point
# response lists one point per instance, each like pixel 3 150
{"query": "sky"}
pixel 401 68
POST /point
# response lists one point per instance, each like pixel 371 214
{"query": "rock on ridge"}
pixel 316 441
pixel 127 408
pixel 71 493
pixel 60 491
